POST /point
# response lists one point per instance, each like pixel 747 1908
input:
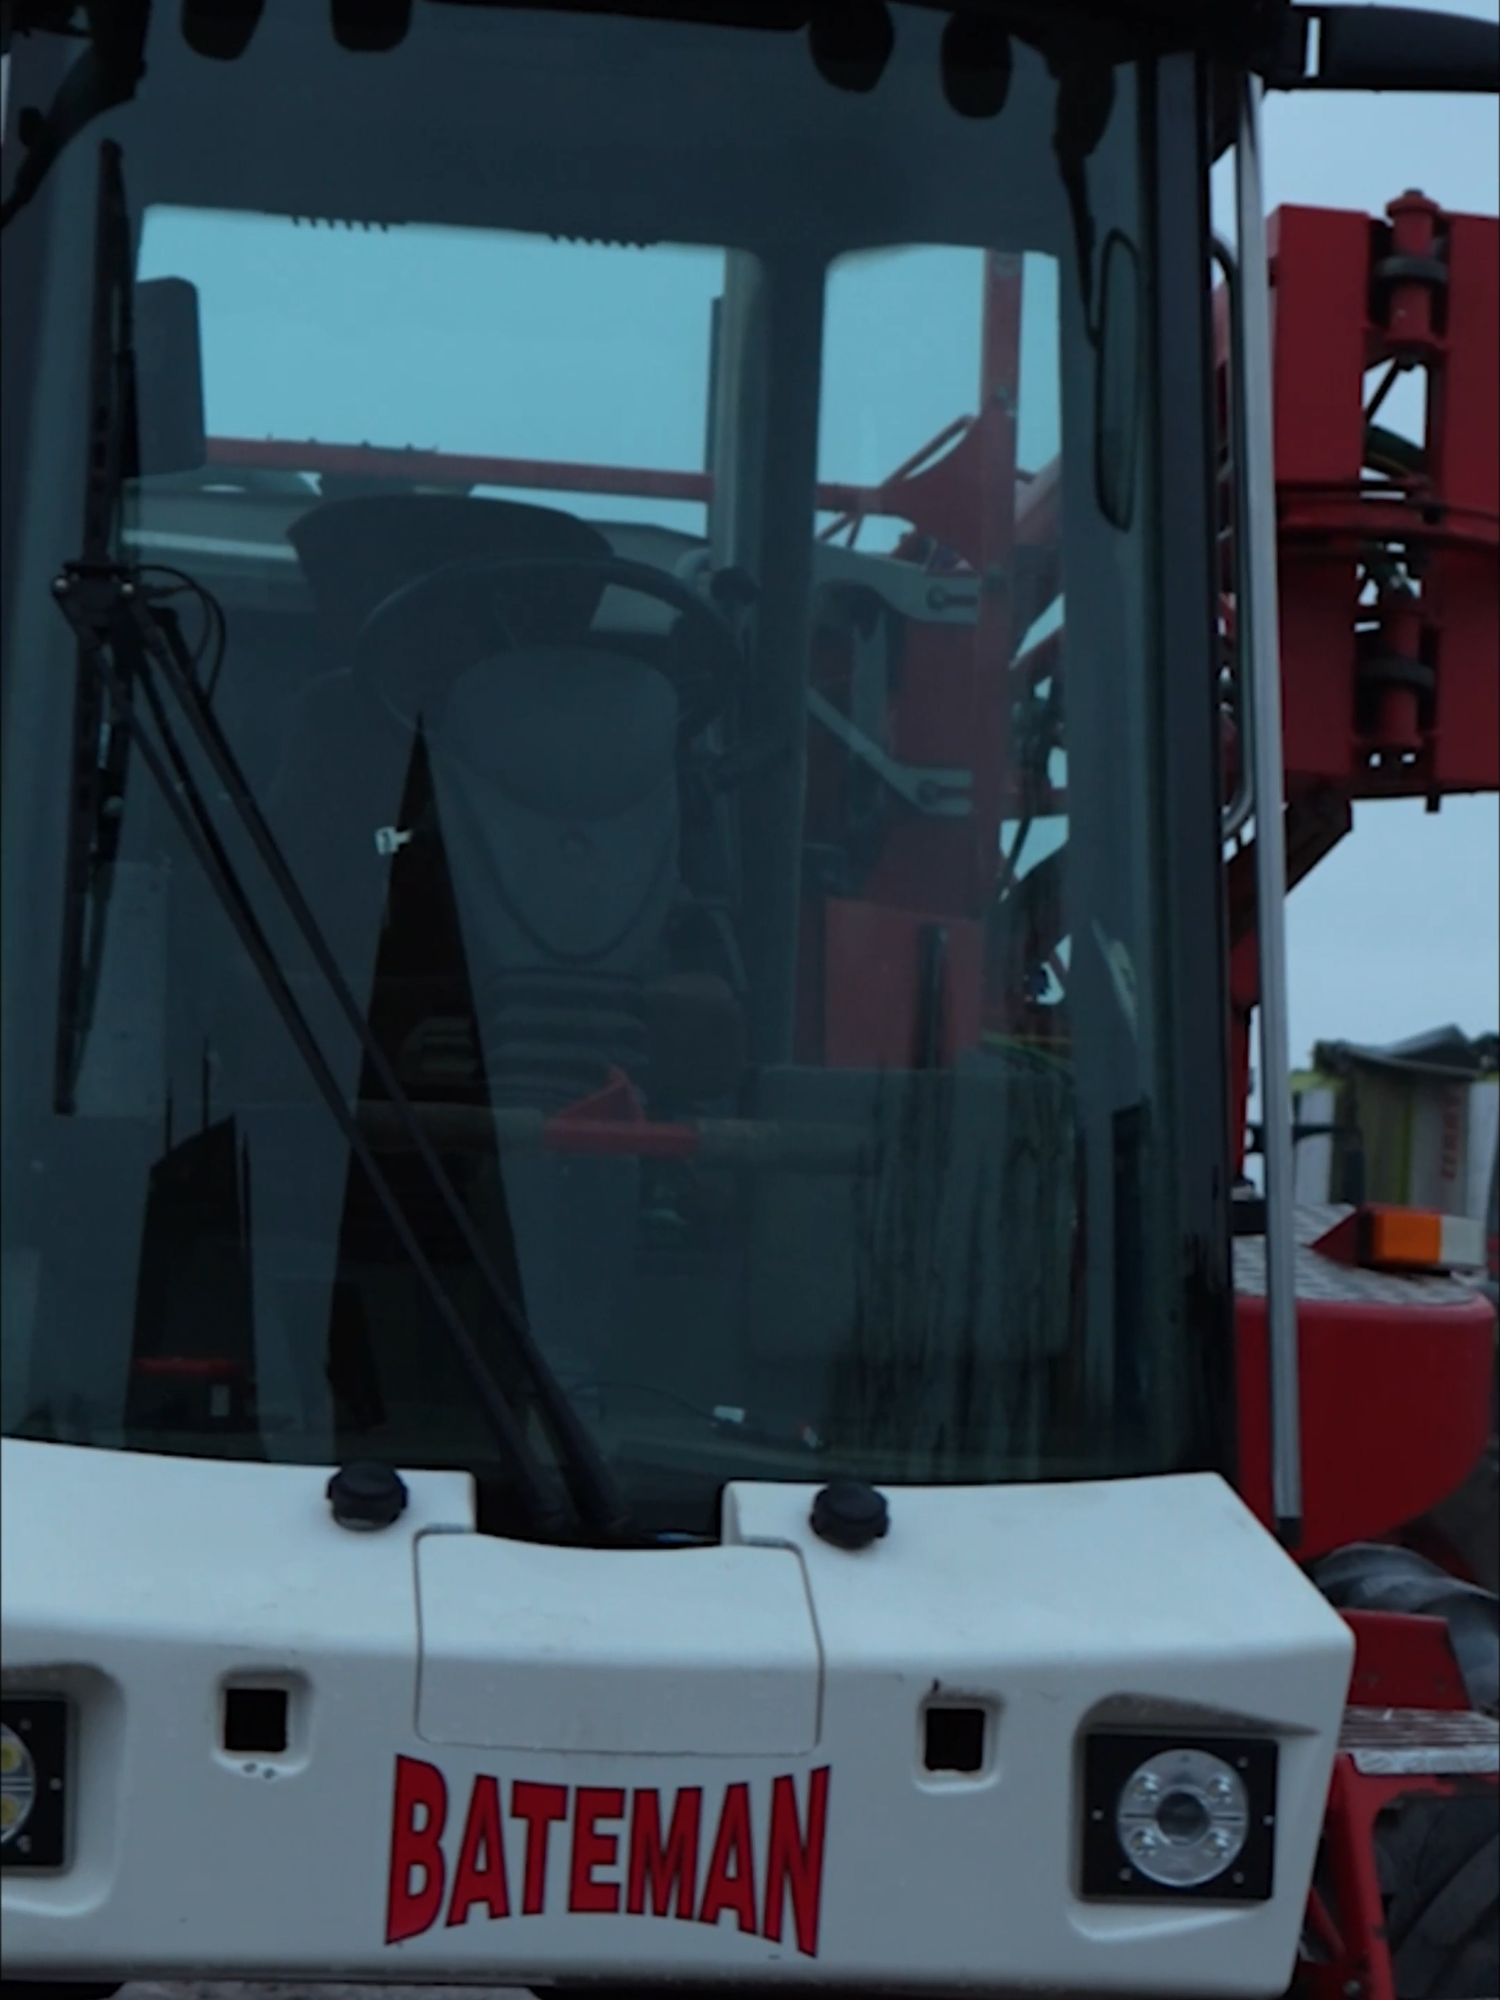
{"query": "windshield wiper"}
pixel 130 650
pixel 99 766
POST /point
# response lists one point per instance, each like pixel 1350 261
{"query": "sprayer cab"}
pixel 616 1227
pixel 691 963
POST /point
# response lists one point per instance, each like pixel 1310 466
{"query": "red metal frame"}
pixel 895 496
pixel 1346 1911
pixel 1404 1661
pixel 1349 1922
pixel 1343 307
pixel 1383 694
pixel 1400 1662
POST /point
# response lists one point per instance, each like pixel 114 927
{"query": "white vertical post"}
pixel 1258 530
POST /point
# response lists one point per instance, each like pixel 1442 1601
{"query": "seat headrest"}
pixel 566 733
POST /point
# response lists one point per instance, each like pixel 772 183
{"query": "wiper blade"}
pixel 116 627
pixel 99 767
pixel 125 642
pixel 124 638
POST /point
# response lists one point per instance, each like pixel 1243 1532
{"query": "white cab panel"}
pixel 137 1585
pixel 669 1652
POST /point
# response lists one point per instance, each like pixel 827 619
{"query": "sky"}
pixel 1398 930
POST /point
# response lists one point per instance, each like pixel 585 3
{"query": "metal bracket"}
pixel 945 794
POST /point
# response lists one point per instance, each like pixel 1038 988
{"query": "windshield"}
pixel 628 564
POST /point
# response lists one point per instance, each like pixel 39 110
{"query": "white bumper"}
pixel 767 1696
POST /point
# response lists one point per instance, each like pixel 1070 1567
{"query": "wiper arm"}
pixel 107 609
pixel 99 766
pixel 125 643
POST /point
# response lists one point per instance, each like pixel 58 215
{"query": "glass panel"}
pixel 886 399
pixel 938 966
pixel 632 592
pixel 480 342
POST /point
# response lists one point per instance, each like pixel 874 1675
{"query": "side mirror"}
pixel 169 377
pixel 1382 48
pixel 1117 389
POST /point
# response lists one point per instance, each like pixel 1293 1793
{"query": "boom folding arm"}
pixel 1389 548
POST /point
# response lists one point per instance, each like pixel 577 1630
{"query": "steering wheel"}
pixel 456 615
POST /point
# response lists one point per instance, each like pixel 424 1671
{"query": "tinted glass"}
pixel 629 574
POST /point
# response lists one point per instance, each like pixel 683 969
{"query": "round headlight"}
pixel 17 1783
pixel 1183 1817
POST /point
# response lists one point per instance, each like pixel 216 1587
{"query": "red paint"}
pixel 1395 1411
pixel 872 961
pixel 1347 1910
pixel 1403 1661
pixel 206 1367
pixel 1354 1927
pixel 1335 318
pixel 661 1872
pixel 794 1859
pixel 479 1873
pixel 619 1102
pixel 446 468
pixel 418 1816
pixel 660 1867
pixel 613 1121
pixel 540 1806
pixel 643 1140
pixel 593 1849
pixel 1345 734
pixel 730 1882
pixel 950 434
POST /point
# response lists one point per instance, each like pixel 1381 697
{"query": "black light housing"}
pixel 1112 1761
pixel 34 1781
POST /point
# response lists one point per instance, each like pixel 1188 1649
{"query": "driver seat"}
pixel 555 783
pixel 552 777
pixel 531 798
